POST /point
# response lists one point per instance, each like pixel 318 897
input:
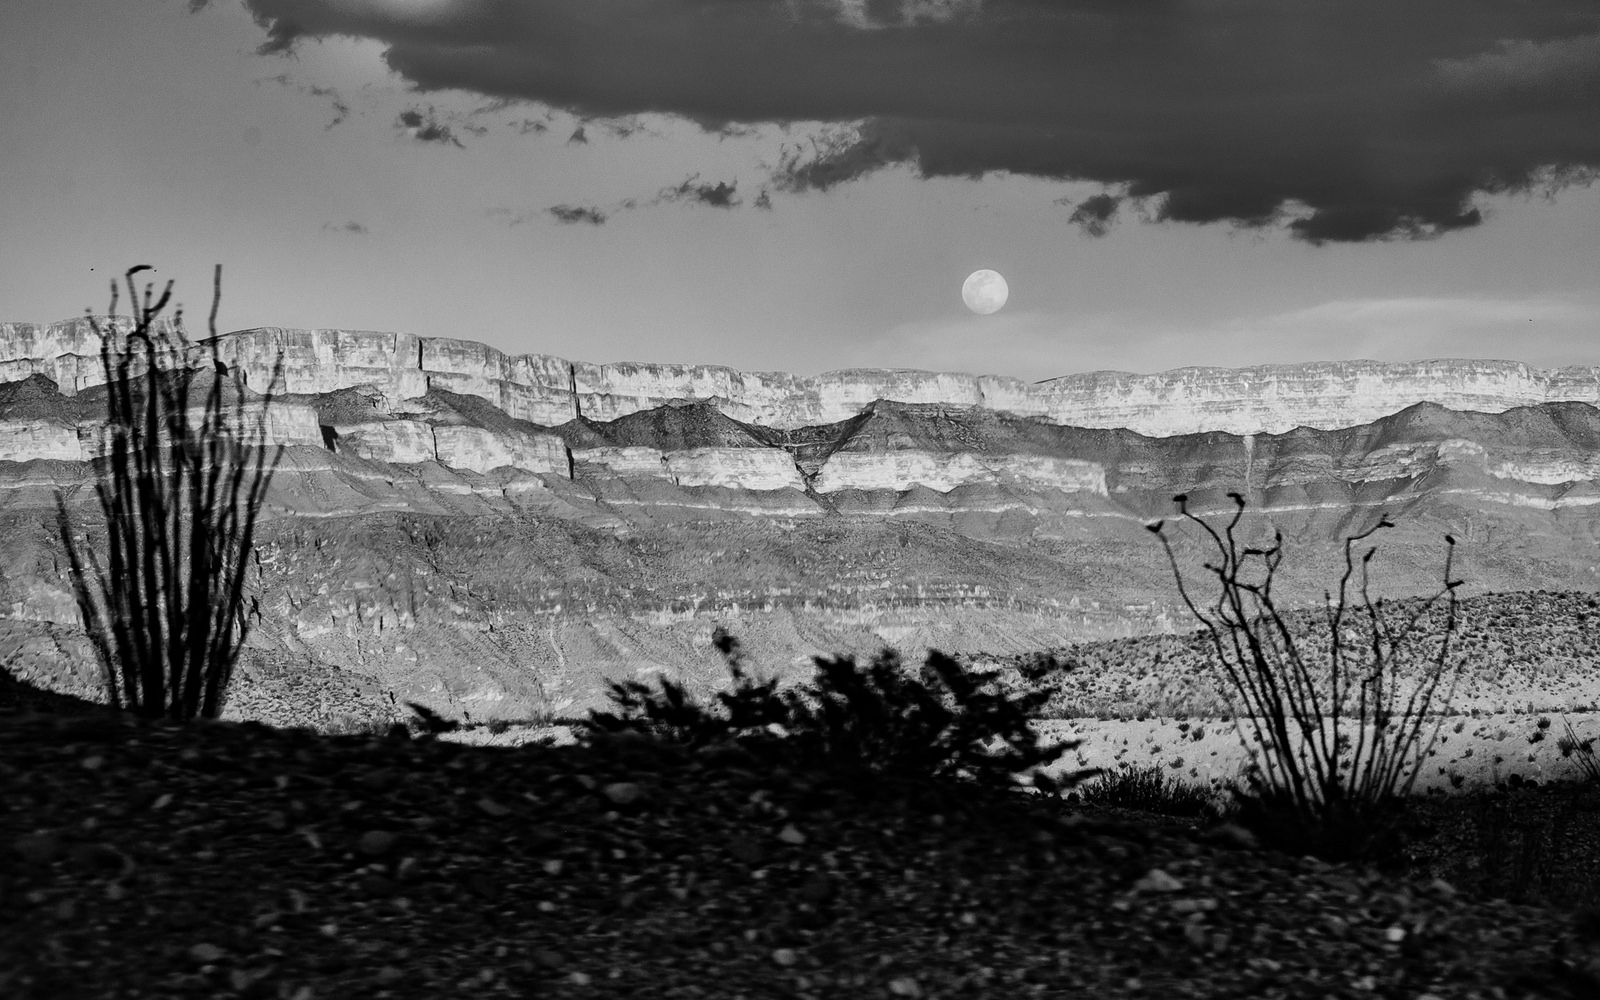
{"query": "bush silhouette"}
pixel 853 719
pixel 1150 789
pixel 164 608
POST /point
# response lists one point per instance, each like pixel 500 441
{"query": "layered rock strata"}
pixel 503 536
pixel 549 391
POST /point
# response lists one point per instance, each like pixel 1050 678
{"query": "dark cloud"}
pixel 530 125
pixel 354 228
pixel 1096 213
pixel 571 214
pixel 424 126
pixel 718 195
pixel 580 135
pixel 763 200
pixel 1343 119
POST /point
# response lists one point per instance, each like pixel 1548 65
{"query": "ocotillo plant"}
pixel 180 492
pixel 1330 794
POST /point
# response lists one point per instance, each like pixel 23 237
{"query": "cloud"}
pixel 1565 70
pixel 580 135
pixel 718 195
pixel 1095 214
pixel 354 228
pixel 341 110
pixel 621 128
pixel 424 126
pixel 1354 120
pixel 573 214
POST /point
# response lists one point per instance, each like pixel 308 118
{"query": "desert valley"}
pixel 500 537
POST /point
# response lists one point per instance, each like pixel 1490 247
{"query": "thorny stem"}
pixel 1265 668
pixel 164 613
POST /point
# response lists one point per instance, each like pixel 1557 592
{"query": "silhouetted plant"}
pixel 429 722
pixel 875 719
pixel 1331 796
pixel 164 607
pixel 1149 789
pixel 1570 744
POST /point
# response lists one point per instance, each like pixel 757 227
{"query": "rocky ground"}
pixel 224 860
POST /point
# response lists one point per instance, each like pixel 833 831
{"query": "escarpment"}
pixel 549 391
pixel 501 535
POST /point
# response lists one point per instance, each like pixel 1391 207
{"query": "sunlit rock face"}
pixel 1272 399
pixel 28 440
pixel 902 470
pixel 481 450
pixel 734 468
pixel 550 391
pixel 39 422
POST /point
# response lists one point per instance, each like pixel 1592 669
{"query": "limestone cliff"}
pixel 503 535
pixel 549 391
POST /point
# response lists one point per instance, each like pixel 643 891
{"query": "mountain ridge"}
pixel 422 541
pixel 548 390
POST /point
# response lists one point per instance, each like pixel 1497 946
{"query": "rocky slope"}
pixel 500 536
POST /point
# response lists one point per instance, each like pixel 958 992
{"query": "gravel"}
pixel 237 860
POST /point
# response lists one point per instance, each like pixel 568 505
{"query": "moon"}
pixel 984 291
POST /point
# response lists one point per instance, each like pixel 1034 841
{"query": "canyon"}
pixel 501 537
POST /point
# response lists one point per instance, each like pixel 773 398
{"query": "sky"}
pixel 803 185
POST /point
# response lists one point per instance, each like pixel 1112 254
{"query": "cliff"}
pixel 499 536
pixel 549 391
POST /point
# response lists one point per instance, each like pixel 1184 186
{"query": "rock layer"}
pixel 504 536
pixel 547 390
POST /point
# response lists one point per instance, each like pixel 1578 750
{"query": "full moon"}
pixel 984 291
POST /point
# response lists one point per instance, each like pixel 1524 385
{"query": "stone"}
pixel 1156 880
pixel 376 843
pixel 622 793
pixel 206 953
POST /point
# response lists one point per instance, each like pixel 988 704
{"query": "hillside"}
pixel 500 537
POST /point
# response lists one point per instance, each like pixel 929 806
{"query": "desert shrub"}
pixel 162 600
pixel 1149 789
pixel 354 725
pixel 942 724
pixel 1584 749
pixel 1336 794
